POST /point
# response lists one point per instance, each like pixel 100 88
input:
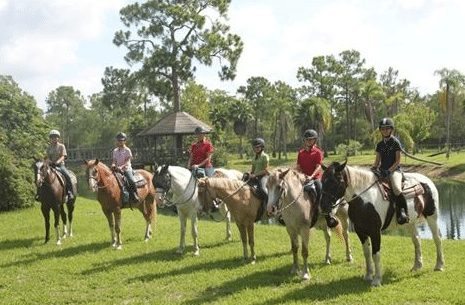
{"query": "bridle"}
pixel 164 190
pixel 96 178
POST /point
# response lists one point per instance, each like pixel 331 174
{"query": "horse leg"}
pixel 147 210
pixel 64 220
pixel 327 233
pixel 182 241
pixel 195 233
pixel 305 234
pixel 295 249
pixel 243 233
pixel 345 235
pixel 366 245
pixel 119 242
pixel 56 216
pixel 251 236
pixel 376 254
pixel 418 260
pixel 433 225
pixel 46 213
pixel 111 226
pixel 70 207
pixel 228 225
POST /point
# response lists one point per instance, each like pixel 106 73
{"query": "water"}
pixel 452 211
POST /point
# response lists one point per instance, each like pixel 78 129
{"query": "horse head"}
pixel 276 189
pixel 92 173
pixel 334 183
pixel 161 179
pixel 39 177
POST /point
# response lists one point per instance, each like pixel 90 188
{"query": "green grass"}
pixel 86 270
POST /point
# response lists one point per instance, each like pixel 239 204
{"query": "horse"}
pixel 370 211
pixel 286 196
pixel 243 205
pixel 52 195
pixel 102 179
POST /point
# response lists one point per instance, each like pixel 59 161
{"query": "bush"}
pixel 349 150
pixel 220 157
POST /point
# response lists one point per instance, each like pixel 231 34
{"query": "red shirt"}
pixel 200 152
pixel 309 159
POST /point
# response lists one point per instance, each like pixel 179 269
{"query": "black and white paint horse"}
pixel 371 212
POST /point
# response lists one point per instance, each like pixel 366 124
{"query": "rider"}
pixel 122 157
pixel 309 160
pixel 56 153
pixel 388 163
pixel 201 153
pixel 259 165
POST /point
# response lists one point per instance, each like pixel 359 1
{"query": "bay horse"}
pixel 286 196
pixel 52 196
pixel 243 205
pixel 371 212
pixel 102 179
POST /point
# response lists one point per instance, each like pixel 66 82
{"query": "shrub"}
pixel 349 150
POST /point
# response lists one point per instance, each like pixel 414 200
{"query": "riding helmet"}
pixel 386 122
pixel 310 134
pixel 121 136
pixel 53 133
pixel 200 130
pixel 258 142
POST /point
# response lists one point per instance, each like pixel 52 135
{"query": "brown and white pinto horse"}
pixel 243 205
pixel 300 212
pixel 370 212
pixel 103 181
pixel 52 196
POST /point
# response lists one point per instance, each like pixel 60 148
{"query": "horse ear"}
pixel 340 167
pixel 96 161
pixel 324 167
pixel 164 168
pixel 281 176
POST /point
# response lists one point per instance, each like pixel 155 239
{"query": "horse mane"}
pixel 225 183
pixel 358 176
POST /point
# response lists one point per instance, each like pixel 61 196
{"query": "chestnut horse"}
pixel 371 212
pixel 102 180
pixel 52 196
pixel 243 205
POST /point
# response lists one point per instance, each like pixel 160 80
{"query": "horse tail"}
pixel 338 230
pixel 430 207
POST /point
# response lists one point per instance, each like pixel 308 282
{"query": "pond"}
pixel 452 211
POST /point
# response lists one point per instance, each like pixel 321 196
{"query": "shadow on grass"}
pixel 17 243
pixel 31 258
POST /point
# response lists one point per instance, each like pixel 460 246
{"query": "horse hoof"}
pixel 59 243
pixel 349 259
pixel 179 251
pixel 328 261
pixel 120 247
pixel 376 283
pixel 439 268
pixel 306 276
pixel 196 253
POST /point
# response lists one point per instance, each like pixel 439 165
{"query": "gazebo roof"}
pixel 174 124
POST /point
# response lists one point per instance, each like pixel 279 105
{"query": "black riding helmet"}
pixel 310 134
pixel 200 130
pixel 386 122
pixel 121 136
pixel 258 142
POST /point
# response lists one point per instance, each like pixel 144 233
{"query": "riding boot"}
pixel 401 209
pixel 69 188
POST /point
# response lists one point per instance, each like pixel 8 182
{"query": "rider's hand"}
pixel 195 166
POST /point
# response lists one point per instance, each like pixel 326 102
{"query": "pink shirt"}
pixel 121 155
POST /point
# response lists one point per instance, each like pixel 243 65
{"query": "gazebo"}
pixel 165 141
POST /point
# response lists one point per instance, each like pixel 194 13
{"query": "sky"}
pixel 45 44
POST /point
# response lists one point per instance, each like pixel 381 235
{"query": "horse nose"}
pixel 271 210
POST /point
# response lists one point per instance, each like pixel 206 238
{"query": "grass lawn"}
pixel 86 270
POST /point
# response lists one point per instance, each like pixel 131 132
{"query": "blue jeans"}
pixel 69 186
pixel 129 174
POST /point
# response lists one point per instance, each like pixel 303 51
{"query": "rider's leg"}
pixel 69 185
pixel 132 183
pixel 401 203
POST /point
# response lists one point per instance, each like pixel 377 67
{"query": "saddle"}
pixel 414 191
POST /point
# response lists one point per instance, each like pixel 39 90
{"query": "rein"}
pixel 171 203
pixel 280 210
pixel 232 194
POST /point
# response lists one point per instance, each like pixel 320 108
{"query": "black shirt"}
pixel 387 149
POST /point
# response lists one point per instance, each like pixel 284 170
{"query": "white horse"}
pixel 370 211
pixel 299 211
pixel 186 199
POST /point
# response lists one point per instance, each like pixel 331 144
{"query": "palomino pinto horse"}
pixel 103 181
pixel 300 213
pixel 370 211
pixel 243 205
pixel 52 195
